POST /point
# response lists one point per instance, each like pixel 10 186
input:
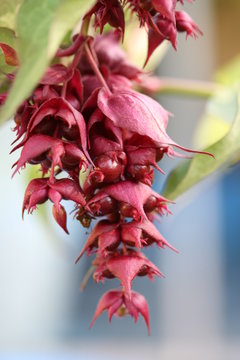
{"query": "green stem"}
pixel 85 26
pixel 182 87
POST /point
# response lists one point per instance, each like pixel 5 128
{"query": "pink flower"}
pixel 105 236
pixel 40 190
pixel 135 200
pixel 185 23
pixel 39 148
pixel 143 233
pixel 107 11
pixel 162 28
pixel 118 303
pixel 125 267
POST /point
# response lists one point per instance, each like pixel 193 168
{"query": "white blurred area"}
pixel 39 318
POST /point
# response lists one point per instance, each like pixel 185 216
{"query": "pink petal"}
pixel 127 267
pixel 69 190
pixel 73 151
pixel 140 114
pixel 140 303
pixel 36 193
pixel 131 231
pixel 56 74
pixel 75 88
pixel 60 108
pixel 100 228
pixel 34 147
pixel 109 299
pixel 135 112
pixel 60 216
pixel 107 240
pixel 186 24
pixel 135 194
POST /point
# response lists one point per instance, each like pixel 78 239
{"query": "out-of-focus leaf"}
pixel 230 73
pixel 138 52
pixel 41 26
pixel 192 171
pixel 8 13
pixel 33 25
pixel 216 121
pixel 210 130
pixel 7 36
pixel 68 14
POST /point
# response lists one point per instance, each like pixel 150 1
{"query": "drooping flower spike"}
pixel 97 142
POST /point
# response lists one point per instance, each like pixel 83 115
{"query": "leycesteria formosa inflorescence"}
pixel 98 141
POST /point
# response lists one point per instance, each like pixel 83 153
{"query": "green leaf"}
pixel 8 13
pixel 138 53
pixel 33 26
pixel 7 36
pixel 216 121
pixel 192 171
pixel 230 73
pixel 67 16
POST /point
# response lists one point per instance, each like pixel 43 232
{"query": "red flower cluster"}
pixel 86 121
pixel 160 17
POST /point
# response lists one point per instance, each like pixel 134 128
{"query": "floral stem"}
pixel 193 88
pixel 92 61
pixel 95 68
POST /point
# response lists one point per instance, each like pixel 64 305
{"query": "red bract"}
pixel 113 57
pixel 165 8
pixel 119 304
pixel 41 147
pixel 164 23
pixel 107 11
pixel 40 190
pixel 162 28
pixel 143 234
pixel 56 74
pixel 139 114
pixel 185 23
pixel 125 267
pixel 132 198
pixel 104 236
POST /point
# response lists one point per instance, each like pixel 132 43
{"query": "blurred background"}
pixel 195 310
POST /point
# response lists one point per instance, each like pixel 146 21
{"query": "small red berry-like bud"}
pixel 186 24
pixel 111 168
pixel 93 180
pixel 151 203
pixel 104 206
pixel 128 211
pixel 143 173
pixel 119 304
